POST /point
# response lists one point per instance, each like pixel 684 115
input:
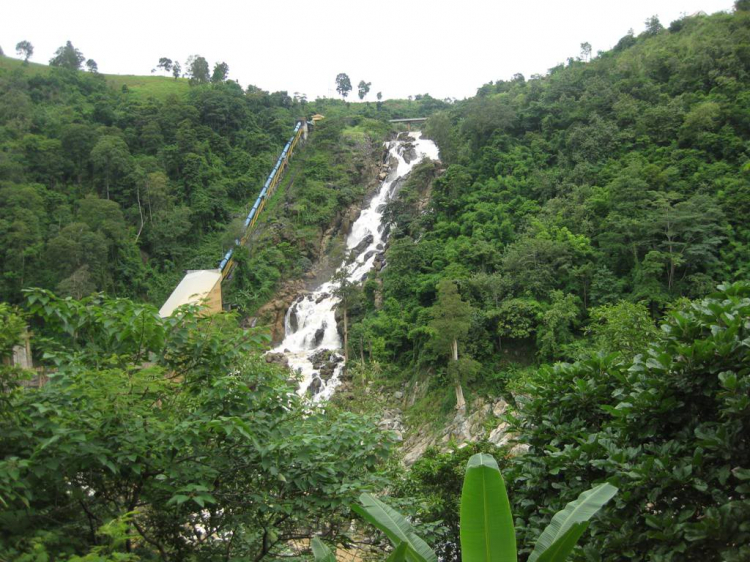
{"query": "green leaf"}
pixel 563 546
pixel 580 510
pixel 398 555
pixel 396 528
pixel 487 533
pixel 321 552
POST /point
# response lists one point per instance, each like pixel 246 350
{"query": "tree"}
pixel 111 158
pixel 586 51
pixel 450 322
pixel 68 57
pixel 92 66
pixel 220 73
pixel 197 70
pixel 681 405
pixel 343 85
pixel 165 64
pixel 26 49
pixel 653 26
pixel 558 321
pixel 363 89
pixel 348 293
pixel 176 70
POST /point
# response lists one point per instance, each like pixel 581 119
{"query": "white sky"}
pixel 444 48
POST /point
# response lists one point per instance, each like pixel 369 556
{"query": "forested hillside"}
pixel 110 189
pixel 608 187
pixel 573 218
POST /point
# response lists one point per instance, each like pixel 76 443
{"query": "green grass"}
pixel 149 86
pixel 142 87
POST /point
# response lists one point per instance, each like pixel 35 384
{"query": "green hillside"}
pixel 142 87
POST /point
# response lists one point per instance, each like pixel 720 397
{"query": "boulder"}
pixel 315 386
pixel 277 359
pixel 319 333
pixel 362 246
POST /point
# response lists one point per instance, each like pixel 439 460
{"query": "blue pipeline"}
pixel 263 193
pixel 226 258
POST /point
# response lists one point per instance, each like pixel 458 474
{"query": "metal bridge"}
pixel 408 122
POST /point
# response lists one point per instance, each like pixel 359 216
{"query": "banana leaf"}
pixel 487 533
pixel 396 528
pixel 321 552
pixel 578 511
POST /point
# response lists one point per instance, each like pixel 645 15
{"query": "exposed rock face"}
pixel 274 312
pixel 464 428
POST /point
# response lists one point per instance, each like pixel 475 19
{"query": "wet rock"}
pixel 363 244
pixel 319 333
pixel 325 362
pixel 409 153
pixel 315 386
pixel 277 359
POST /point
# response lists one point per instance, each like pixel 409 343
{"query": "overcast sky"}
pixel 404 47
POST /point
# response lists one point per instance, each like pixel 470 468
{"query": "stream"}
pixel 312 344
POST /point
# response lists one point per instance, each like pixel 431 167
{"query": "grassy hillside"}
pixel 142 87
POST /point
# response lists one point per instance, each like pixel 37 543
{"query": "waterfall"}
pixel 311 342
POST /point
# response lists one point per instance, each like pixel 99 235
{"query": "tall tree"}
pixel 68 57
pixel 197 70
pixel 586 51
pixel 26 49
pixel 343 85
pixel 111 159
pixel 348 292
pixel 220 73
pixel 363 89
pixel 451 319
pixel 165 64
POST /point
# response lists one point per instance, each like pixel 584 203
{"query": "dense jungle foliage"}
pixel 166 439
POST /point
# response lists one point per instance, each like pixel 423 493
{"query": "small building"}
pixel 201 287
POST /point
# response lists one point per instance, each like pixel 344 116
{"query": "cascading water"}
pixel 311 342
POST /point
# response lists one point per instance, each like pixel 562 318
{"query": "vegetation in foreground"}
pixel 166 439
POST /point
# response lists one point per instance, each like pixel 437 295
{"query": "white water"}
pixel 314 313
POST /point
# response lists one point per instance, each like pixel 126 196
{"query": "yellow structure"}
pixel 201 287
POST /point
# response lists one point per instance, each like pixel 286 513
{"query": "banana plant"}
pixel 487 532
